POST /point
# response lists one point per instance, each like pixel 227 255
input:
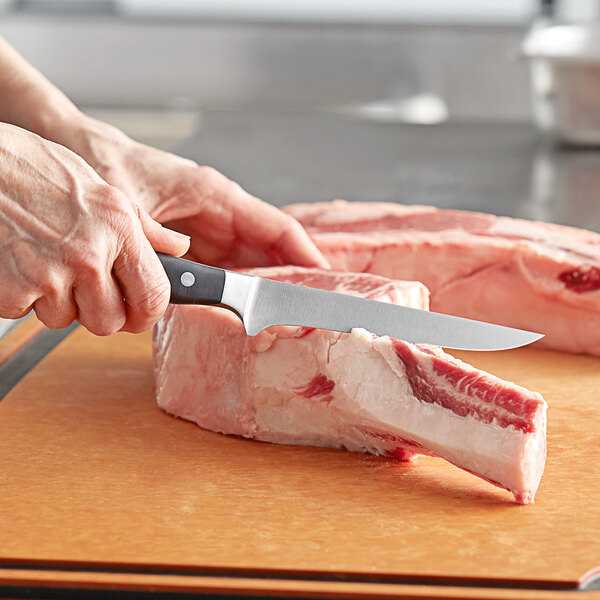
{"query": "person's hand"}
pixel 74 247
pixel 228 226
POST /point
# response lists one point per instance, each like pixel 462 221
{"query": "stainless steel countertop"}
pixel 500 168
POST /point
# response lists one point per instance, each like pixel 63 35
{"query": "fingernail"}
pixel 177 233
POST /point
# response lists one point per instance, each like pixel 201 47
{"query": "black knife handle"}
pixel 191 282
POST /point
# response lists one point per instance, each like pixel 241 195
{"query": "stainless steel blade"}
pixel 262 303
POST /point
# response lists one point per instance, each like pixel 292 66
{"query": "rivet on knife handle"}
pixel 191 282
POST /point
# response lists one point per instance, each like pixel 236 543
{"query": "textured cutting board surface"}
pixel 92 471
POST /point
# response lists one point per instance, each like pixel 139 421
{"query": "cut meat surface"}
pixel 524 274
pixel 293 385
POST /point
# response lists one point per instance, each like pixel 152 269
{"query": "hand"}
pixel 228 226
pixel 74 247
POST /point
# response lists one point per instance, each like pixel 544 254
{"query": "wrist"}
pixel 93 140
pixel 52 125
pixel 112 154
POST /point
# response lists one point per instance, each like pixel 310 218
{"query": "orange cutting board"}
pixel 94 476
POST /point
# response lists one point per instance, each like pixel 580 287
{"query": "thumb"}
pixel 163 239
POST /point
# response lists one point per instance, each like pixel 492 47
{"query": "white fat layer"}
pixel 371 396
pixel 554 240
pixel 498 453
pixel 337 211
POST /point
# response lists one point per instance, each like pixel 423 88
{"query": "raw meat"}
pixel 293 385
pixel 524 274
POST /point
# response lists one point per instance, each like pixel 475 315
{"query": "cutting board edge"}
pixel 116 583
pixel 170 569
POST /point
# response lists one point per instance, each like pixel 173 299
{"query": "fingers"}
pixel 18 297
pixel 127 288
pixel 295 247
pixel 143 282
pixel 14 309
pixel 160 238
pixel 131 292
pixel 261 225
pixel 95 301
pixel 131 298
pixel 100 305
pixel 56 309
pixel 231 226
pixel 15 300
pixel 280 235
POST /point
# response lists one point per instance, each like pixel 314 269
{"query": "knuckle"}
pixel 112 198
pixel 63 322
pixel 234 189
pixel 14 312
pixel 65 318
pixel 289 222
pixel 54 311
pixel 209 173
pixel 108 329
pixel 88 261
pixel 214 182
pixel 104 327
pixel 99 330
pixel 90 266
pixel 121 213
pixel 56 321
pixel 14 306
pixel 231 193
pixel 152 303
pixel 50 288
pixel 101 314
pixel 128 230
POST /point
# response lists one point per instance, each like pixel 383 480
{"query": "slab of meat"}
pixel 293 385
pixel 524 274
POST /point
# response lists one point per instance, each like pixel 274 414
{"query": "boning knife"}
pixel 262 303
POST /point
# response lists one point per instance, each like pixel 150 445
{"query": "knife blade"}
pixel 262 303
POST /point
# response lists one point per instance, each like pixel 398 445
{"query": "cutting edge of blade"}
pixel 253 324
pixel 532 337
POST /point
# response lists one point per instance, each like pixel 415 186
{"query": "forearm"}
pixel 28 100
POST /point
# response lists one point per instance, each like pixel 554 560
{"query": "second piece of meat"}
pixel 524 274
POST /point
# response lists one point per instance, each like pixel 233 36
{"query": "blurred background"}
pixel 468 104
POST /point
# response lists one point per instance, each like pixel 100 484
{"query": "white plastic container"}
pixel 565 78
